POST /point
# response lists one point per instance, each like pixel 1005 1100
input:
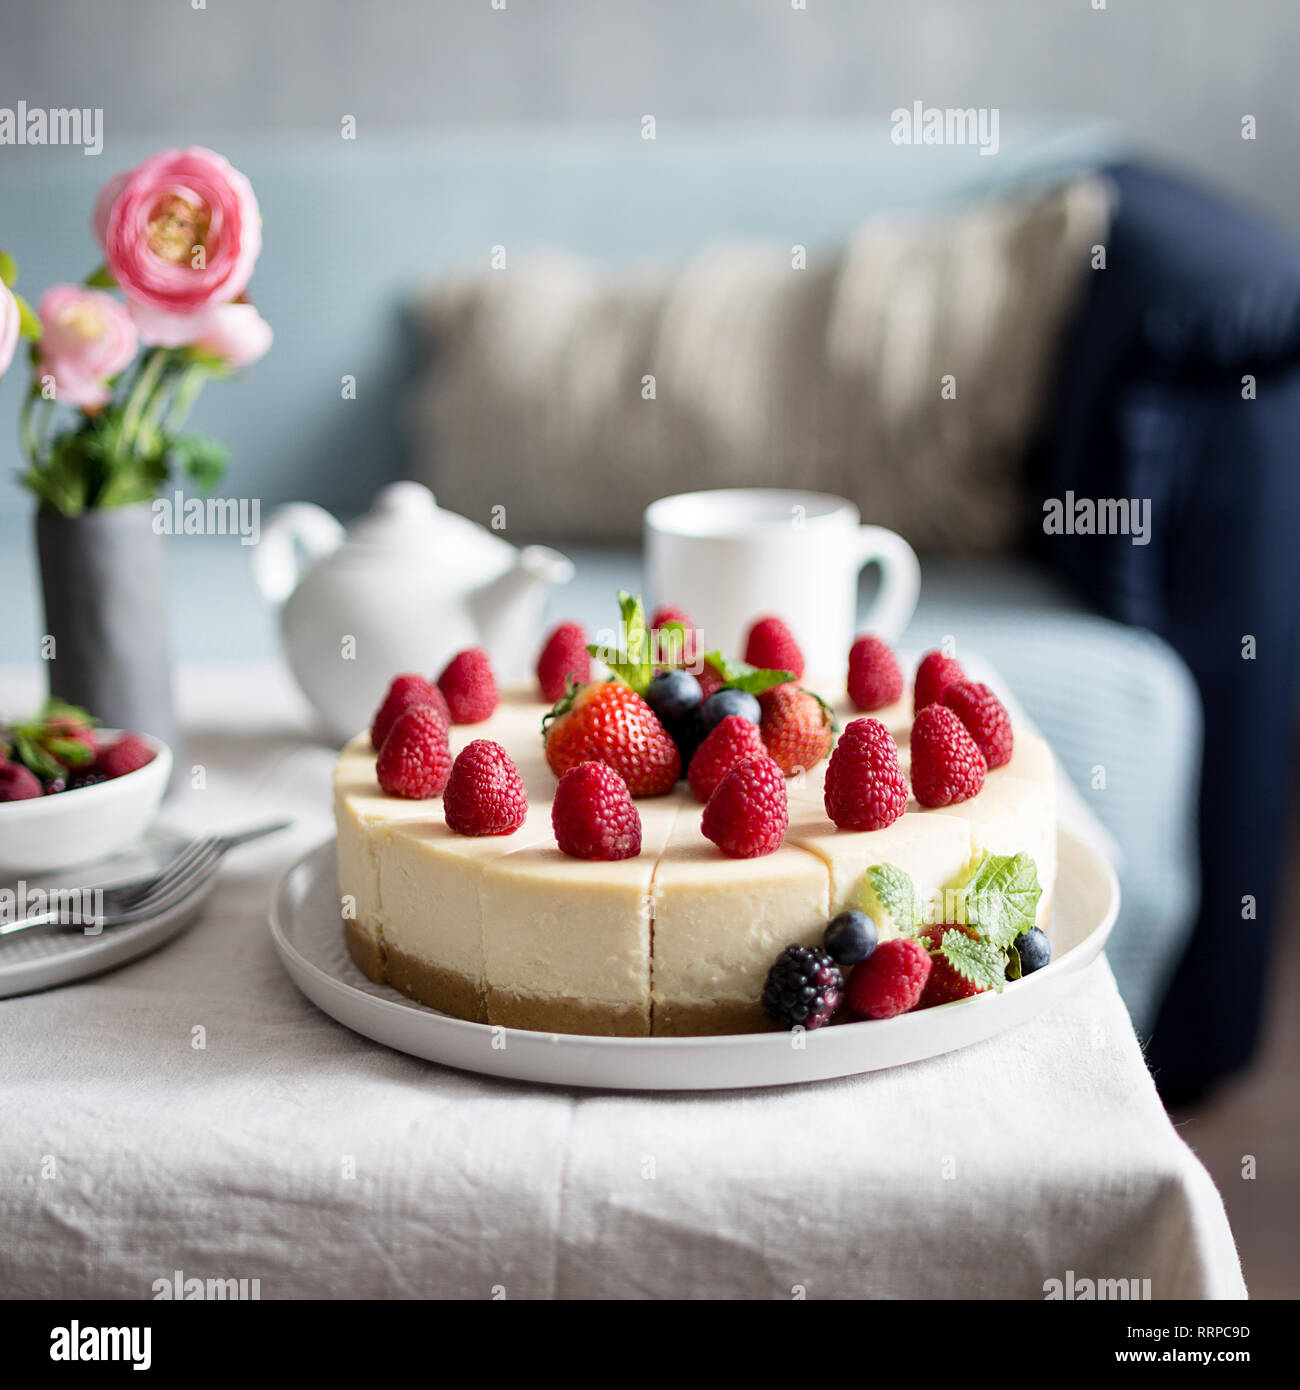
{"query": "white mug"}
pixel 730 556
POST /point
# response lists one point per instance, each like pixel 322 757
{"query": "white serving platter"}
pixel 308 935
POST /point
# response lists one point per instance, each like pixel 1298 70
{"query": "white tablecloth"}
pixel 288 1150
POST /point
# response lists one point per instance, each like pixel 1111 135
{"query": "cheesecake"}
pixel 677 940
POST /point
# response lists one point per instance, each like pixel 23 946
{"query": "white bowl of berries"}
pixel 71 793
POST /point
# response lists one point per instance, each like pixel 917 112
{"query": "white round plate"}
pixel 48 956
pixel 309 938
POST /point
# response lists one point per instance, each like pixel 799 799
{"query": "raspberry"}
pixel 796 728
pixel 469 687
pixel 710 679
pixel 18 783
pixel 771 646
pixel 933 676
pixel 484 794
pixel 403 692
pixel 690 646
pixel 891 980
pixel 875 677
pixel 865 787
pixel 129 754
pixel 415 760
pixel 729 743
pixel 564 659
pixel 748 813
pixel 945 984
pixel 985 717
pixel 804 988
pixel 947 765
pixel 593 814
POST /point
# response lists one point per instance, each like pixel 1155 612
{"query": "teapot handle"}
pixel 294 537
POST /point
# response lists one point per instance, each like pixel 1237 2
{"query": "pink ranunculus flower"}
pixel 158 328
pixel 87 338
pixel 9 322
pixel 237 334
pixel 181 232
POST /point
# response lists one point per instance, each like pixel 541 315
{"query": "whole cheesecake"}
pixel 678 940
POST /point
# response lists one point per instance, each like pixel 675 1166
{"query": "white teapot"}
pixel 402 589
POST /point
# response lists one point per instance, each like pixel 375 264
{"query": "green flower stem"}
pixel 154 411
pixel 191 383
pixel 27 429
pixel 142 389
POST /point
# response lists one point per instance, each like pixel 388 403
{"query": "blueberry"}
pixel 851 937
pixel 673 695
pixel 720 704
pixel 1034 949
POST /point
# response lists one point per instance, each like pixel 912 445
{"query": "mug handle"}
pixel 900 580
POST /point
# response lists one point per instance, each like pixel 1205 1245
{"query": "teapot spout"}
pixel 507 612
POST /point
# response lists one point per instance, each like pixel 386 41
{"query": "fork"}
pixel 148 897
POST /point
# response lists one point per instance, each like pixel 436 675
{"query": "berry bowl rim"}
pixel 138 793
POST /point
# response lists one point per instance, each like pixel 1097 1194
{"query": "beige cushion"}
pixel 828 377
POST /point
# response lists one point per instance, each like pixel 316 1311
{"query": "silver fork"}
pixel 147 897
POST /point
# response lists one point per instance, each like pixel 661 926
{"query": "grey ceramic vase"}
pixel 103 579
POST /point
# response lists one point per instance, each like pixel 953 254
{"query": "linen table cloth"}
pixel 286 1149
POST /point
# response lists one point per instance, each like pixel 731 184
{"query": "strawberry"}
pixel 405 691
pixel 875 677
pixel 593 815
pixel 484 794
pixel 933 676
pixel 945 983
pixel 986 718
pixel 891 980
pixel 748 814
pixel 469 687
pixel 796 727
pixel 730 742
pixel 128 754
pixel 415 760
pixel 771 645
pixel 865 788
pixel 564 659
pixel 947 765
pixel 608 722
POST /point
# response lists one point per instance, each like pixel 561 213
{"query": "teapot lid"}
pixel 403 514
pixel 407 519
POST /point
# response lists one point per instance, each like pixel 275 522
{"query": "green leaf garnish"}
pixel 100 279
pixel 889 893
pixel 740 675
pixel 630 663
pixel 998 896
pixel 974 959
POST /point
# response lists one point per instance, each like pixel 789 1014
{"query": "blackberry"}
pixel 804 988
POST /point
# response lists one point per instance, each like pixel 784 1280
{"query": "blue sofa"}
pixel 1114 649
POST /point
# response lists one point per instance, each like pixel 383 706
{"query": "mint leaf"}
pixel 631 663
pixel 999 897
pixel 1013 963
pixel 974 959
pixel 35 757
pixel 888 892
pixel 740 675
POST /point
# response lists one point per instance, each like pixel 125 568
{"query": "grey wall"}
pixel 1179 73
